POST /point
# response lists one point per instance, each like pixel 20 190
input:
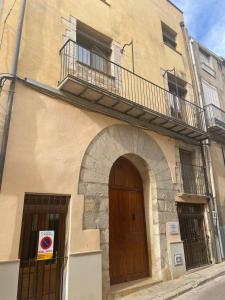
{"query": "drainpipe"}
pixel 218 251
pixel 212 202
pixel 11 91
pixel 190 61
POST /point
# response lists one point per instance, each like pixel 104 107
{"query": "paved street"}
pixel 214 290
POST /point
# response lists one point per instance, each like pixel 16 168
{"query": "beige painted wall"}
pixel 44 28
pixel 47 141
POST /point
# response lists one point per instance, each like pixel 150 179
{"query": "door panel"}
pixel 193 234
pixel 39 280
pixel 127 231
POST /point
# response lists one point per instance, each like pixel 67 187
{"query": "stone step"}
pixel 119 291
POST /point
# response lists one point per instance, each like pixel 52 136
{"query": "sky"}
pixel 205 20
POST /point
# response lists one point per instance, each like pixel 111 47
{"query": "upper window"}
pixel 206 62
pixel 177 86
pixel 169 36
pixel 94 49
pixel 205 57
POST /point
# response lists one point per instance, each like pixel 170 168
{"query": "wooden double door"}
pixel 42 279
pixel 128 254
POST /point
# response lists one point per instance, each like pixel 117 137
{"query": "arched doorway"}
pixel 128 254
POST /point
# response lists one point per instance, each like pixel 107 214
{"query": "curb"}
pixel 190 286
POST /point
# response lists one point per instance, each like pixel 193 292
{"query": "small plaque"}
pixel 178 260
pixel 174 228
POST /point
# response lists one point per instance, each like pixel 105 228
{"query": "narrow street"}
pixel 214 290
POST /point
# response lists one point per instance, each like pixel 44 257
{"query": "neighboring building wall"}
pixel 211 75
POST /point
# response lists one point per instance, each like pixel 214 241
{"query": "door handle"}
pixel 133 216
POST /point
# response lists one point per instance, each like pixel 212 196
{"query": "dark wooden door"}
pixel 128 255
pixel 42 280
pixel 193 234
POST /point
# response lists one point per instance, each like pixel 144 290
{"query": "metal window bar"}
pixel 193 234
pixel 215 116
pixel 118 81
pixel 193 180
pixel 29 278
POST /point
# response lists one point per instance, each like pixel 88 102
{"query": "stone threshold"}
pixel 123 289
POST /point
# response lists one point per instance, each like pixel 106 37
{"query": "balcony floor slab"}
pixel 128 109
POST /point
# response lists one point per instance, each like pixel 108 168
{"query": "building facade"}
pixel 210 79
pixel 101 144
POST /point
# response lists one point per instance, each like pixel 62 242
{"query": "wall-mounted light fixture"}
pixel 132 50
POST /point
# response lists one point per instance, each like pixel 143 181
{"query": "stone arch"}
pixel 133 143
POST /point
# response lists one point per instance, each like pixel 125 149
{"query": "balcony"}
pixel 108 88
pixel 215 121
pixel 193 180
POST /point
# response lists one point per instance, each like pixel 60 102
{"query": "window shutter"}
pixel 210 94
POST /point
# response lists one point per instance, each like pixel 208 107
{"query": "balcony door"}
pixel 42 279
pixel 128 255
pixel 178 91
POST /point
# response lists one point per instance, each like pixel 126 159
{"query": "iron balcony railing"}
pixel 88 67
pixel 193 179
pixel 215 116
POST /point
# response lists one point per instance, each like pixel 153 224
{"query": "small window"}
pixel 94 49
pixel 206 62
pixel 177 86
pixel 205 57
pixel 169 36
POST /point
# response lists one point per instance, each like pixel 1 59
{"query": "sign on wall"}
pixel 178 260
pixel 45 245
pixel 174 228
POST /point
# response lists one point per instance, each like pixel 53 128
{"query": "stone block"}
pixel 104 236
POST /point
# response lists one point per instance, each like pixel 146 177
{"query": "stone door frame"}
pixel 159 195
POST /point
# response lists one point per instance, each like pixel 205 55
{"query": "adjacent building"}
pixel 102 138
pixel 209 71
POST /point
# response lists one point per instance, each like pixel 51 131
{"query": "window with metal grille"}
pixel 169 36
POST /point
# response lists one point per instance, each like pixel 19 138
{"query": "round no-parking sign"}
pixel 45 245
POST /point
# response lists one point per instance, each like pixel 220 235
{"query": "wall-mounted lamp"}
pixel 132 50
pixel 175 77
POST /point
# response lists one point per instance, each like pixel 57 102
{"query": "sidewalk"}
pixel 173 288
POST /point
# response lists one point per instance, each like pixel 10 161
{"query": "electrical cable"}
pixel 4 23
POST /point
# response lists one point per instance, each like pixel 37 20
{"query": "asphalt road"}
pixel 213 290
